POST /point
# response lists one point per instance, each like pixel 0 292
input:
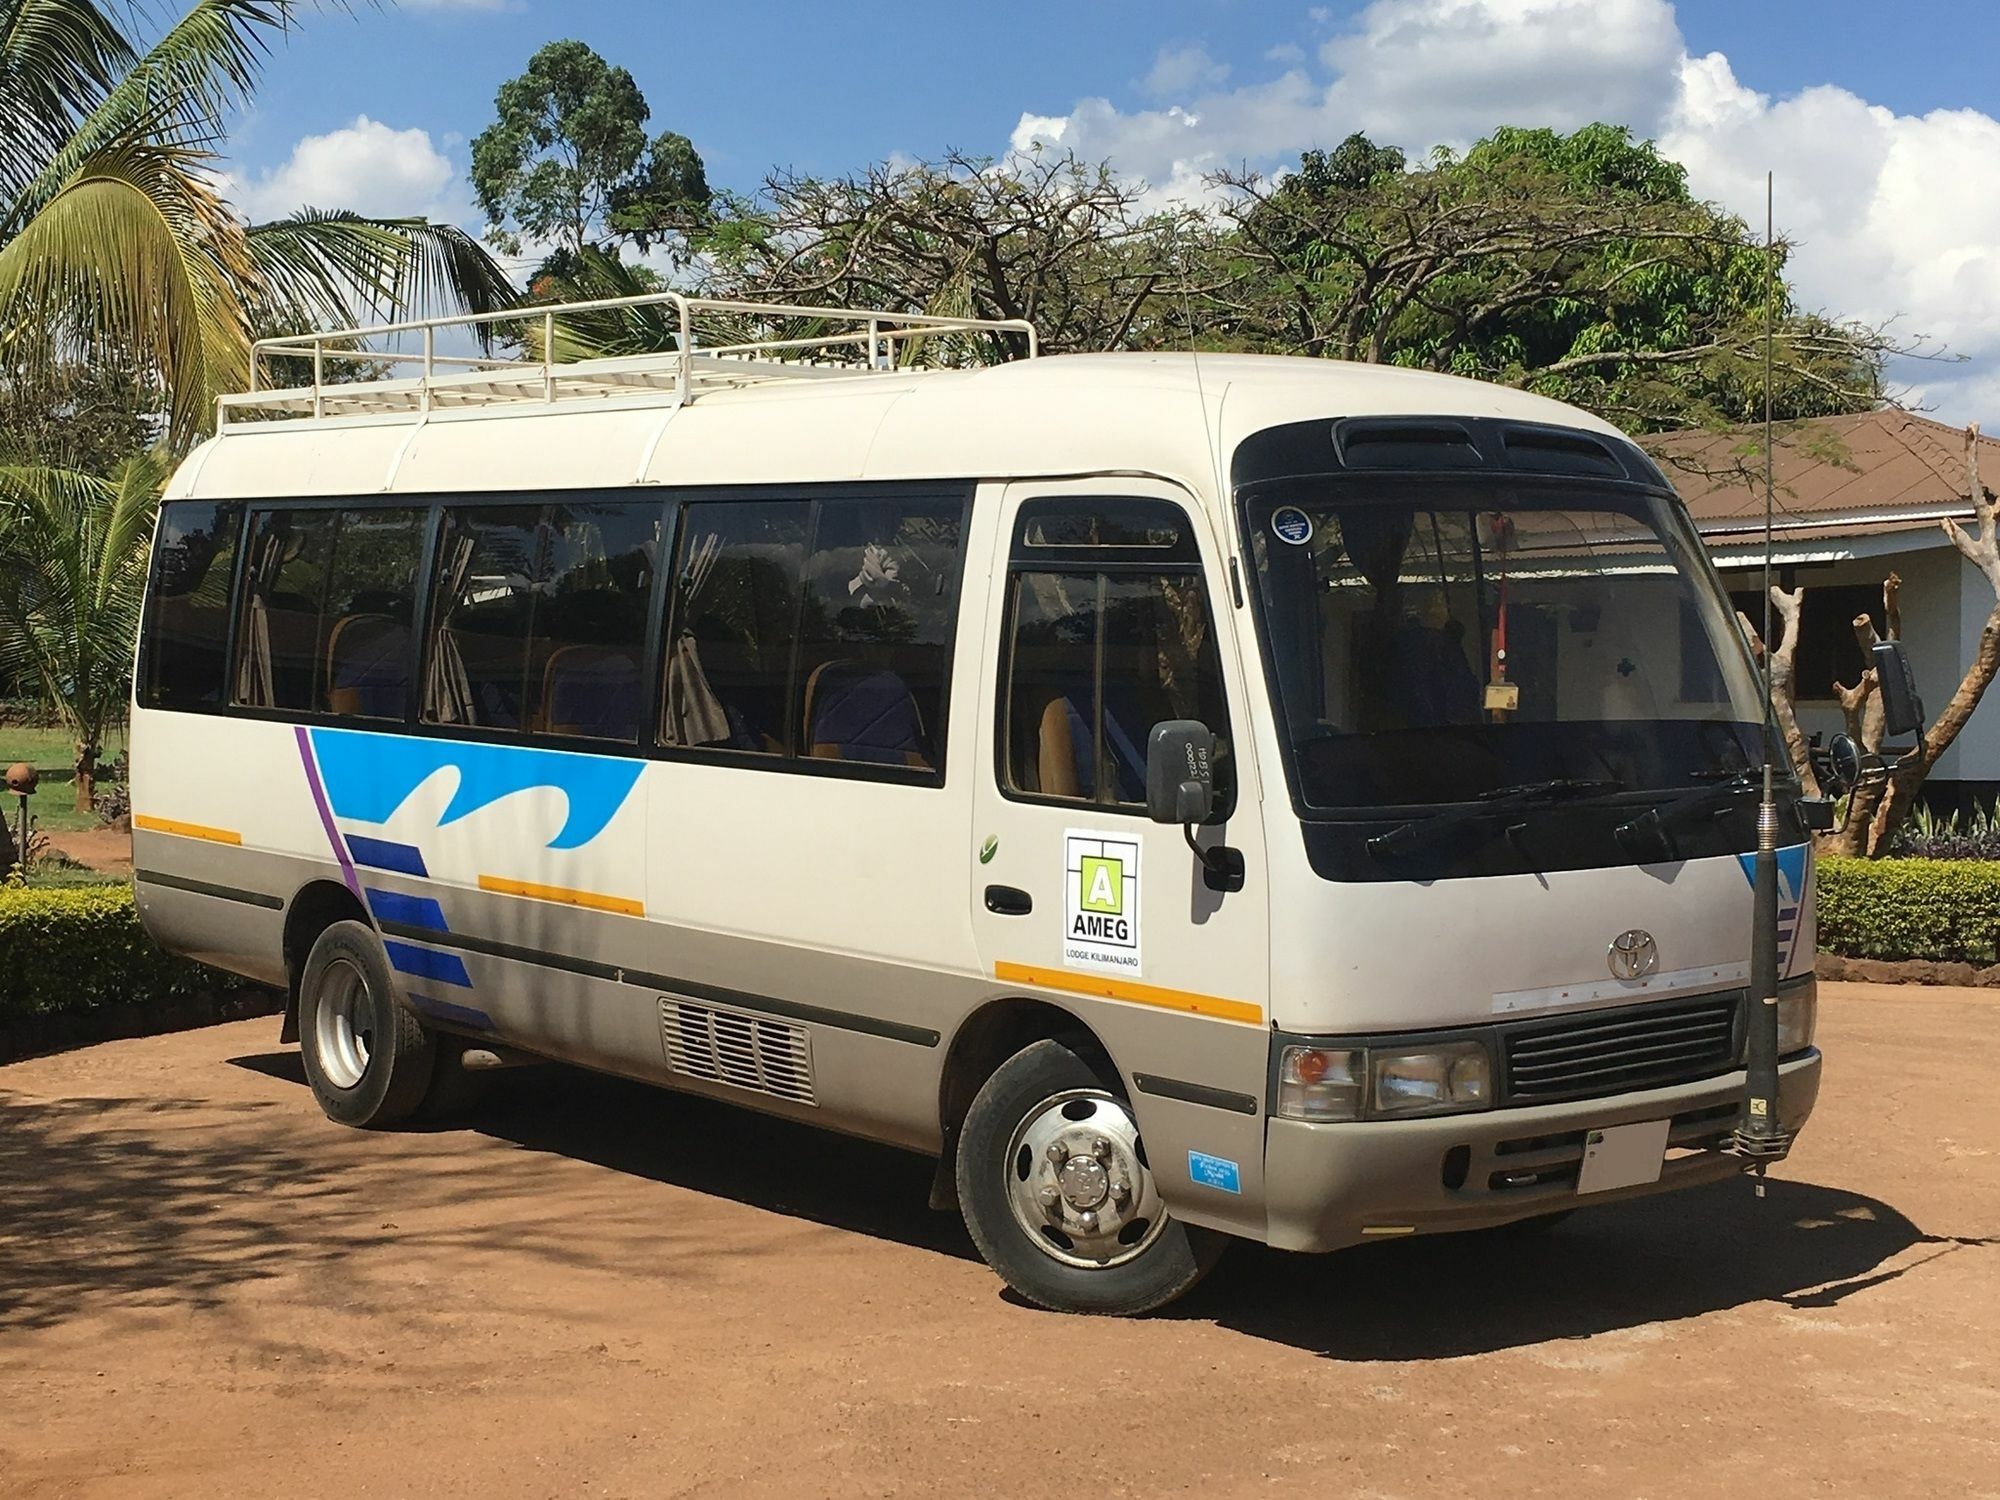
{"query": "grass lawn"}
pixel 53 807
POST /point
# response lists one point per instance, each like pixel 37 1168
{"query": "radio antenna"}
pixel 1761 1137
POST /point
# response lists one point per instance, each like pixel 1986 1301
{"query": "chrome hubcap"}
pixel 1078 1184
pixel 344 1026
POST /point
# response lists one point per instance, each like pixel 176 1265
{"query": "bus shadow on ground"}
pixel 686 1141
pixel 1620 1266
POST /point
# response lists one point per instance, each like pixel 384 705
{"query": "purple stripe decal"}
pixel 325 812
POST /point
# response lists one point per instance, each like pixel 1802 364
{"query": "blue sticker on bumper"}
pixel 1214 1172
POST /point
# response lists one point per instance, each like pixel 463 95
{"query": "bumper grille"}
pixel 1610 1052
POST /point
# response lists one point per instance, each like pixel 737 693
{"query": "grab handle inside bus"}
pixel 1180 788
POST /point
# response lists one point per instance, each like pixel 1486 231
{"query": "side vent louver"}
pixel 745 1051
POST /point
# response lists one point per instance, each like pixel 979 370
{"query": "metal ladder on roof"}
pixel 851 343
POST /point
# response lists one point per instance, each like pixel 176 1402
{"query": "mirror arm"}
pixel 1221 867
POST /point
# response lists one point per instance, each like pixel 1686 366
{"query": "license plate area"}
pixel 1621 1156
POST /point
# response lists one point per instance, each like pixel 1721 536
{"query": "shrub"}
pixel 83 947
pixel 1944 910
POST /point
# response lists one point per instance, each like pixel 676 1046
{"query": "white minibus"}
pixel 1189 796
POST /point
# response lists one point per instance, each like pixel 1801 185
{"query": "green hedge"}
pixel 1947 910
pixel 82 948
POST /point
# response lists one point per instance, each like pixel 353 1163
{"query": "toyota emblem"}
pixel 1632 955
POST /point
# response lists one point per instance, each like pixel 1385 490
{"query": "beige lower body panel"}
pixel 1328 1186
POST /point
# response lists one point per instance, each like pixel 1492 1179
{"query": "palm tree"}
pixel 72 572
pixel 113 228
pixel 115 239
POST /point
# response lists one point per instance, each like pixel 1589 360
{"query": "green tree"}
pixel 72 574
pixel 88 415
pixel 114 236
pixel 567 163
pixel 1578 266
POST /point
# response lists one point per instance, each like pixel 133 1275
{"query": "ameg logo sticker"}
pixel 1101 902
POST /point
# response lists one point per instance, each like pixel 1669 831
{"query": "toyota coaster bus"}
pixel 1189 796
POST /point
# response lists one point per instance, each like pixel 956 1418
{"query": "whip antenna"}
pixel 1761 1137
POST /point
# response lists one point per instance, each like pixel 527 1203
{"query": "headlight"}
pixel 1316 1083
pixel 1353 1083
pixel 1433 1081
pixel 1798 1016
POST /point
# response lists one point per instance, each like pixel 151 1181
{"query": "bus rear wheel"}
pixel 369 1060
pixel 1054 1185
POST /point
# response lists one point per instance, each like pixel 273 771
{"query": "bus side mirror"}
pixel 1902 709
pixel 1180 772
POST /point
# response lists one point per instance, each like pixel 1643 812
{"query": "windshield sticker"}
pixel 1290 524
pixel 1101 902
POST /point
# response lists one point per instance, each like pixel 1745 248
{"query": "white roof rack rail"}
pixel 862 342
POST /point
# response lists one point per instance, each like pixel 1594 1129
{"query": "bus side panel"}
pixel 223 835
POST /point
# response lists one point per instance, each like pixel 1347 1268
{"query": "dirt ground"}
pixel 107 849
pixel 598 1289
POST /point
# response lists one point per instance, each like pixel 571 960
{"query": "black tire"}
pixel 346 997
pixel 1020 1091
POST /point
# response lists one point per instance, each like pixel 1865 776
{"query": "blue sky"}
pixel 1879 120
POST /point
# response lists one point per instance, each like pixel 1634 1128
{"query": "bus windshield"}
pixel 1439 641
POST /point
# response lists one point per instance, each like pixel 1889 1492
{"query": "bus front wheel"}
pixel 1054 1185
pixel 369 1061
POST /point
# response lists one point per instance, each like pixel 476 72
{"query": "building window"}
pixel 194 559
pixel 1827 651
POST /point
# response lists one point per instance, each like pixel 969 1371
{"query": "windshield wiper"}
pixel 1421 832
pixel 1649 838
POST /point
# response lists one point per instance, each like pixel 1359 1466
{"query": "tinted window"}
pixel 477 672
pixel 875 631
pixel 370 611
pixel 284 608
pixel 589 634
pixel 820 630
pixel 193 563
pixel 733 624
pixel 1095 658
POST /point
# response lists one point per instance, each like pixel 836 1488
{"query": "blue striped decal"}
pixel 381 854
pixel 411 911
pixel 428 963
pixel 460 1015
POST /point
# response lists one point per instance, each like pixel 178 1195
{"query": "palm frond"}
pixel 326 268
pixel 136 249
pixel 58 59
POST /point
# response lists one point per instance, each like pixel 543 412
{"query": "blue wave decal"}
pixel 381 854
pixel 428 963
pixel 1791 897
pixel 368 776
pixel 410 911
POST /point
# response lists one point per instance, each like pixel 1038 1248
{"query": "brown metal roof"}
pixel 1858 475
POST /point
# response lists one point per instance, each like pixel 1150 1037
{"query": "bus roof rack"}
pixel 847 343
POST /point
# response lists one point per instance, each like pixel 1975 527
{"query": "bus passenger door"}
pixel 1110 615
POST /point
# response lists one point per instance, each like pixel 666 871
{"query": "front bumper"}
pixel 1331 1185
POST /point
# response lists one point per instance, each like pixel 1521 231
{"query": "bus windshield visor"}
pixel 1463 640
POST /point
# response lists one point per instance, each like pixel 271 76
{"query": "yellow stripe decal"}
pixel 187 830
pixel 563 894
pixel 1106 988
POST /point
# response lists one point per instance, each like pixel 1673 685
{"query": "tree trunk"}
pixel 86 777
pixel 1861 707
pixel 1784 688
pixel 1983 552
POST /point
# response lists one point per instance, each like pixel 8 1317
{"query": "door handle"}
pixel 1006 901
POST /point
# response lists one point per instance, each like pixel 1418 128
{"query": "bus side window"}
pixel 284 602
pixel 589 635
pixel 476 666
pixel 363 661
pixel 1108 633
pixel 733 624
pixel 188 631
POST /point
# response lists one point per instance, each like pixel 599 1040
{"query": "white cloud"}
pixel 369 167
pixel 1178 69
pixel 1286 52
pixel 1895 216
